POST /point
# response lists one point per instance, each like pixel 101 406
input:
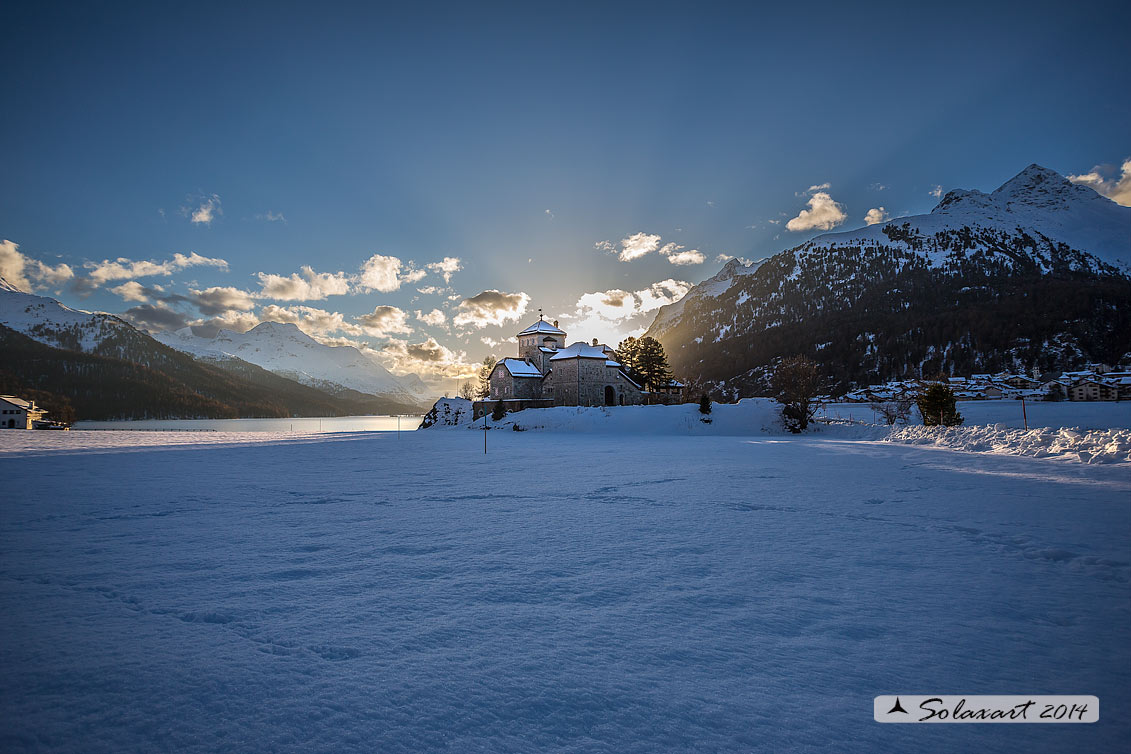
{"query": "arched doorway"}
pixel 610 396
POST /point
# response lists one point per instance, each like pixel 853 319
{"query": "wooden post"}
pixel 485 429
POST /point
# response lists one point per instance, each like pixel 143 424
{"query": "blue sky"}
pixel 514 138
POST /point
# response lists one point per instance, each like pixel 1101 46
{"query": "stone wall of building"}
pixel 567 387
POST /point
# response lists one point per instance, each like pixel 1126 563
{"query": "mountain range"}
pixel 98 366
pixel 1033 276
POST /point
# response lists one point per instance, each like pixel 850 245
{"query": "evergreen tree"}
pixel 937 406
pixel 484 387
pixel 628 353
pixel 649 364
pixel 499 411
pixel 795 384
pixel 704 404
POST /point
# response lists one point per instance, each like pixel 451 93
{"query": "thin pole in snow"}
pixel 485 429
pixel 1024 415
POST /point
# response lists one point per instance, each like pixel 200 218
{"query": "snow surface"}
pixel 1087 446
pixel 657 594
pixel 286 350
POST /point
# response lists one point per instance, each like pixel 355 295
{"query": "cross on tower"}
pixel 539 315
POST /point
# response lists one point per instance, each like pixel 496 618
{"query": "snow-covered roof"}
pixel 15 401
pixel 611 363
pixel 541 326
pixel 520 368
pixel 580 350
pixel 543 349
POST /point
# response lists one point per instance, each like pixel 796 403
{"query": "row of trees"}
pixel 797 383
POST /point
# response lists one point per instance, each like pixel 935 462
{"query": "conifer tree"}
pixel 937 406
pixel 704 404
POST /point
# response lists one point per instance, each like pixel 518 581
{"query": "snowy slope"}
pixel 1037 201
pixel 48 321
pixel 657 594
pixel 286 350
pixel 870 301
pixel 712 287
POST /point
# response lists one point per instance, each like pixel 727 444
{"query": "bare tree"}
pixel 795 385
pixel 897 410
pixel 467 390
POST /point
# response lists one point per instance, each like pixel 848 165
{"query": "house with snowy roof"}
pixel 16 413
pixel 549 371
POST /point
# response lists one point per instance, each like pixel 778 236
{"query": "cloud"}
pixel 936 191
pixel 131 291
pixel 677 255
pixel 221 299
pixel 155 317
pixel 1103 180
pixel 435 318
pixel 491 342
pixel 876 215
pixel 445 267
pixel 384 321
pixel 29 274
pixel 272 217
pixel 207 209
pixel 638 245
pixel 124 269
pixel 877 187
pixel 823 213
pixel 233 320
pixel 822 187
pixel 491 308
pixel 549 214
pixel 386 274
pixel 309 286
pixel 613 315
pixel 428 358
pixel 309 319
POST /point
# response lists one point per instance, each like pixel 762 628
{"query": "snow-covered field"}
pixel 565 592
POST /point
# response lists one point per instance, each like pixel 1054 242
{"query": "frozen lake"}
pixel 562 593
pixel 303 425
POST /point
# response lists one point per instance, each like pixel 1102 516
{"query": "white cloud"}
pixel 1103 180
pixel 309 286
pixel 386 274
pixel 384 321
pixel 877 187
pixel 638 245
pixel 309 319
pixel 876 215
pixel 272 217
pixel 220 299
pixel 491 342
pixel 124 269
pixel 29 274
pixel 131 291
pixel 611 316
pixel 429 359
pixel 549 214
pixel 686 257
pixel 491 308
pixel 822 187
pixel 823 213
pixel 446 267
pixel 205 212
pixel 936 191
pixel 435 318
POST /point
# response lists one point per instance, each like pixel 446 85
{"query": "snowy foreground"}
pixel 565 592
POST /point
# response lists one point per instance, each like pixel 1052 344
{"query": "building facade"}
pixel 580 374
pixel 16 413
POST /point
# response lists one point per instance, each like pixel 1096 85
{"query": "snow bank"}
pixel 1087 446
pixel 1085 414
pixel 750 416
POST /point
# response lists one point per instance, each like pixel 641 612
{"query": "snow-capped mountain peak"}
pixel 283 348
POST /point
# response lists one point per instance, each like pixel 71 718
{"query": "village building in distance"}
pixel 16 413
pixel 549 373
